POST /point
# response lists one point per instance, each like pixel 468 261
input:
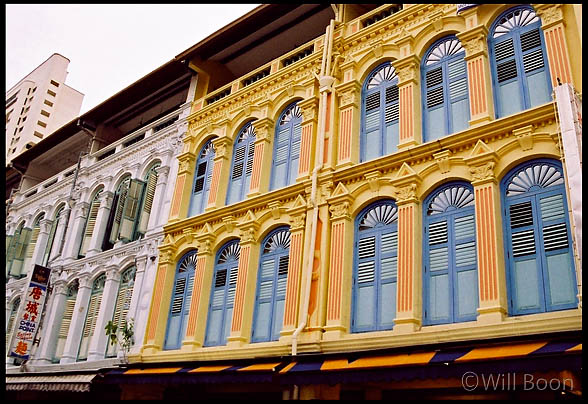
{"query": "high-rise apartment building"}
pixel 39 104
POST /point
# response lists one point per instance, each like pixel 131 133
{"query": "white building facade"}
pixel 97 227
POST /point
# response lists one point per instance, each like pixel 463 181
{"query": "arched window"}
pixel 202 179
pixel 287 147
pixel 449 255
pixel 375 267
pixel 540 262
pixel 379 124
pixel 222 296
pixel 17 251
pixel 268 313
pixel 11 322
pixel 180 302
pixel 125 211
pixel 147 201
pixel 33 242
pixel 520 74
pixel 122 305
pixel 90 224
pixel 92 316
pixel 51 236
pixel 70 302
pixel 242 165
pixel 445 89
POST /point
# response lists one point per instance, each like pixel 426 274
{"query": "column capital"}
pixel 85 281
pixel 482 162
pixel 340 202
pixel 222 147
pixel 310 110
pixel 112 273
pixel 263 129
pixel 106 198
pixel 474 42
pixel 406 184
pixel 407 69
pixel 349 94
pixel 186 162
pixel 550 14
pixel 162 171
pixel 248 229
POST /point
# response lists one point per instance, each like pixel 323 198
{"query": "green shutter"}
pixel 90 224
pixel 51 237
pixel 10 250
pixel 147 202
pixel 130 210
pixel 11 322
pixel 33 242
pixel 20 251
pixel 118 212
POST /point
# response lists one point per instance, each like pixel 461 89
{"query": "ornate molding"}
pixel 407 193
pixel 340 211
pixel 549 14
pixel 297 222
pixel 524 136
pixel 483 173
pixel 373 178
pixel 442 160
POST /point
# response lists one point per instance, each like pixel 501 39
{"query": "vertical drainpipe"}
pixel 325 86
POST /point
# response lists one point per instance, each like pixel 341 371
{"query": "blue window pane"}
pixel 510 98
pixel 279 175
pixel 435 123
pixel 467 296
pixel 365 307
pixel 526 285
pixel 460 115
pixel 439 298
pixel 387 307
pixel 561 280
pixel 278 318
pixel 391 138
pixel 372 144
pixel 538 89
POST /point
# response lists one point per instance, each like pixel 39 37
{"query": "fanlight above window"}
pixel 379 215
pixel 188 263
pixel 518 18
pixel 278 241
pixel 537 175
pixel 449 199
pixel 292 113
pixel 443 49
pixel 385 73
pixel 230 253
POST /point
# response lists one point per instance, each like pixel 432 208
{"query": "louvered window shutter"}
pixel 33 242
pixel 11 323
pixel 90 324
pixel 65 326
pixel 121 308
pixel 10 250
pixel 147 202
pixel 234 193
pixel 130 211
pixel 20 252
pixel 450 266
pixel 90 224
pixel 117 212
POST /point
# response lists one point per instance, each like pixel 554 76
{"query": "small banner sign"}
pixel 30 314
pixel 462 7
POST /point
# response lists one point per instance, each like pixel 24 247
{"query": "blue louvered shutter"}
pixel 287 148
pixel 180 301
pixel 518 59
pixel 270 298
pixel 375 272
pixel 445 89
pixel 450 266
pixel 202 179
pixel 540 260
pixel 222 298
pixel 380 113
pixel 242 165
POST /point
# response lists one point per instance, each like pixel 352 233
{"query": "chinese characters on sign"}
pixel 28 321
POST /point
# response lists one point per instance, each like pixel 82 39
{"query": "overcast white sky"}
pixel 109 46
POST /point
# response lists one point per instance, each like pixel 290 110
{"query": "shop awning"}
pixel 78 383
pixel 251 372
pixel 436 363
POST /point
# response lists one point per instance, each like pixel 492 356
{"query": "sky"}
pixel 110 46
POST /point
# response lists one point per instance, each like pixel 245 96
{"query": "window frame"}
pixel 188 276
pixel 275 278
pixel 535 196
pixel 207 148
pixel 291 154
pixel 444 62
pixel 522 76
pixel 247 161
pixel 449 216
pixel 377 232
pixel 382 124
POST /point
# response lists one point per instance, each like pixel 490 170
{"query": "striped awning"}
pixel 417 363
pixel 437 363
pixel 78 383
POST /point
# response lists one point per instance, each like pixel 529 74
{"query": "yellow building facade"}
pixel 335 181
